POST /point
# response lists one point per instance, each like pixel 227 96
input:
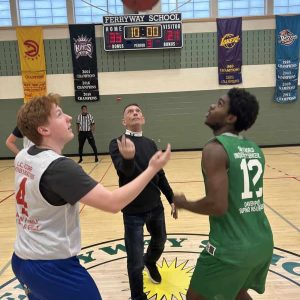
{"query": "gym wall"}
pixel 174 86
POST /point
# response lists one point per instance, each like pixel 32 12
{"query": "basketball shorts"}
pixel 216 280
pixel 60 279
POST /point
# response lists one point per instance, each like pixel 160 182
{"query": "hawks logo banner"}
pixel 287 57
pixel 229 50
pixel 83 47
pixel 32 58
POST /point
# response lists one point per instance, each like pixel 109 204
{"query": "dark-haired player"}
pixel 239 251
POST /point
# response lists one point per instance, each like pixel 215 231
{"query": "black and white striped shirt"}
pixel 85 122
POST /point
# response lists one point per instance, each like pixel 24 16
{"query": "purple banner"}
pixel 229 50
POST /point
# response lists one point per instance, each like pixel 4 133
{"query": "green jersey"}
pixel 243 233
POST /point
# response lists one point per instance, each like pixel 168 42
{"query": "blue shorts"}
pixel 60 279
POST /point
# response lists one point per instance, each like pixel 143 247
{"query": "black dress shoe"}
pixel 153 273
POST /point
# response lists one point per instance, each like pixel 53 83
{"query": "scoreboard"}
pixel 136 32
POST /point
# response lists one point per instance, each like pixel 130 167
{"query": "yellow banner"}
pixel 32 58
pixel 31 48
pixel 34 84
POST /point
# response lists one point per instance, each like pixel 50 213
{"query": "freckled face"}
pixel 60 125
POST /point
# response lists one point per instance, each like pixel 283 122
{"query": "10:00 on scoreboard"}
pixel 142 31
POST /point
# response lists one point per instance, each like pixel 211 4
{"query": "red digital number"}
pixel 173 35
pixel 169 35
pixel 21 196
pixel 112 38
pixel 149 43
pixel 177 35
pixel 118 38
pixel 115 38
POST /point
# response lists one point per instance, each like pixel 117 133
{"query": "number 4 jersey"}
pixel 44 231
pixel 243 233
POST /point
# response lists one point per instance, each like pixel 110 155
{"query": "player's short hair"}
pixel 131 104
pixel 83 106
pixel 36 113
pixel 244 106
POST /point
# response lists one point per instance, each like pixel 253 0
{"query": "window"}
pixel 42 12
pixel 5 17
pixel 230 8
pixel 286 6
pixel 92 11
pixel 189 9
pixel 47 12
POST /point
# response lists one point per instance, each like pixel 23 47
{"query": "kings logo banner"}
pixel 229 33
pixel 32 58
pixel 83 48
pixel 287 58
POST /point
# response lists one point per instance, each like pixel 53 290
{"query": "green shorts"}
pixel 216 280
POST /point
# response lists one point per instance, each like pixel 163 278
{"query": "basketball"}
pixel 140 5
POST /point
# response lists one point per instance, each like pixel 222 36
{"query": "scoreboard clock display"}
pixel 136 32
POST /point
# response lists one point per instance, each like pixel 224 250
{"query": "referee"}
pixel 85 129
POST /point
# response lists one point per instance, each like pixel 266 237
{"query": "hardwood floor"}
pixel 103 252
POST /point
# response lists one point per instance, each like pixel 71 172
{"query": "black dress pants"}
pixel 82 136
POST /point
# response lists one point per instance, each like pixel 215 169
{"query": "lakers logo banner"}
pixel 32 58
pixel 229 33
pixel 287 58
pixel 83 48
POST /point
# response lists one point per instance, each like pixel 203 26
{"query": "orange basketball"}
pixel 139 5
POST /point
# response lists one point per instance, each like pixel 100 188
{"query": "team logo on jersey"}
pixel 106 262
pixel 286 37
pixel 229 40
pixel 83 46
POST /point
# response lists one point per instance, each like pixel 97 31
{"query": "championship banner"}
pixel 287 58
pixel 83 48
pixel 229 50
pixel 32 58
pixel 34 84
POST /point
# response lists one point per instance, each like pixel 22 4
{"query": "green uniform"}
pixel 240 242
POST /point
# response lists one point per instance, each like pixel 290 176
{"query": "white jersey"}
pixel 44 231
pixel 27 143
